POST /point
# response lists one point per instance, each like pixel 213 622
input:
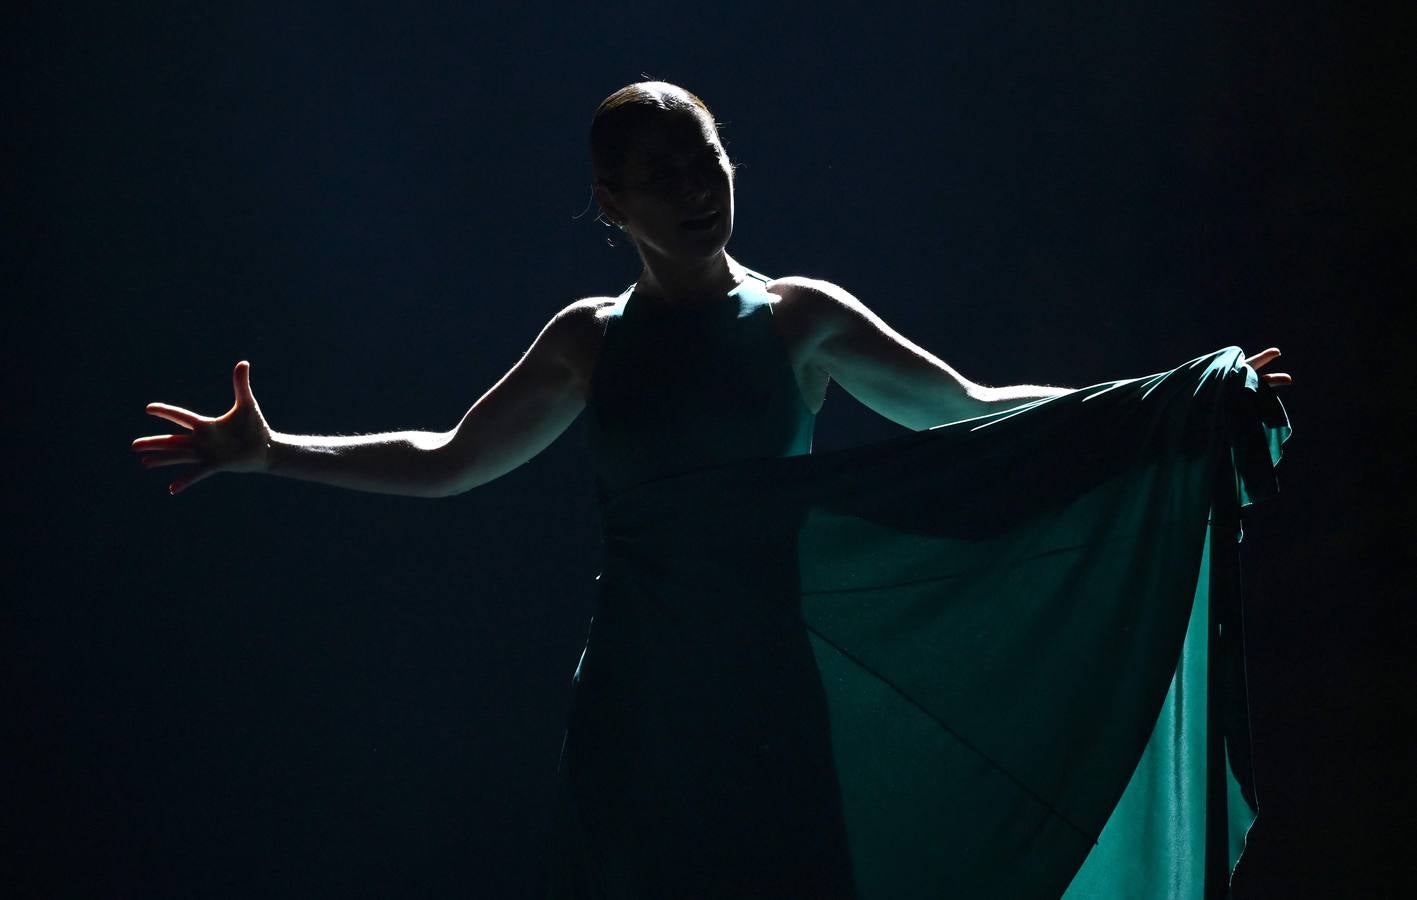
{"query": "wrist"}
pixel 271 454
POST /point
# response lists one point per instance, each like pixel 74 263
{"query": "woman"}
pixel 699 757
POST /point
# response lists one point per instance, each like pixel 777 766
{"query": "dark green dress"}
pixel 993 659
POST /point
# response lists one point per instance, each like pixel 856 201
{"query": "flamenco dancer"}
pixel 964 662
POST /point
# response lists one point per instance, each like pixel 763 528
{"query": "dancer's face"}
pixel 675 193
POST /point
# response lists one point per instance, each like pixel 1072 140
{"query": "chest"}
pixel 792 328
pixel 673 392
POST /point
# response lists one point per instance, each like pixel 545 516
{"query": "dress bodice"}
pixel 681 389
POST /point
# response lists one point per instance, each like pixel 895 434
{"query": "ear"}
pixel 605 199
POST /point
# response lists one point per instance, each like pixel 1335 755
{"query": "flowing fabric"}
pixel 999 658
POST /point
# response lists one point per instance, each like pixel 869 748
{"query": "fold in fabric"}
pixel 1023 631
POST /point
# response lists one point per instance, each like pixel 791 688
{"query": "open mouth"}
pixel 702 222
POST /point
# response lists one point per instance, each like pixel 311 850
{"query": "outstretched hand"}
pixel 235 441
pixel 1264 358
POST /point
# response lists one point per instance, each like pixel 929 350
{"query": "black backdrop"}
pixel 267 688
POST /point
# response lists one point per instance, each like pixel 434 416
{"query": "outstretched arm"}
pixel 515 420
pixel 895 377
pixel 884 370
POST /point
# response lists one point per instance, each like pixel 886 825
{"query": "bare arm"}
pixel 530 406
pixel 878 366
pixel 515 420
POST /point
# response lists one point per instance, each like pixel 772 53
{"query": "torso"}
pixel 795 329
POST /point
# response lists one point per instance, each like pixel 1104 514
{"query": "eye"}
pixel 708 162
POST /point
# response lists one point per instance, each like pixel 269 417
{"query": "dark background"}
pixel 269 688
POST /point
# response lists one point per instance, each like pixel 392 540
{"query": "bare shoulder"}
pixel 581 322
pixel 574 334
pixel 796 288
pixel 810 305
pixel 581 316
pixel 815 295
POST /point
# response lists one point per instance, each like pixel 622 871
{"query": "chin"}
pixel 713 240
pixel 706 250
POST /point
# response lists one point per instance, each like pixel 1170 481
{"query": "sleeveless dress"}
pixel 998 658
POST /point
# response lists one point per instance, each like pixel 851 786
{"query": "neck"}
pixel 689 284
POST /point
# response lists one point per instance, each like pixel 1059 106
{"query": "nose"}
pixel 697 187
pixel 698 193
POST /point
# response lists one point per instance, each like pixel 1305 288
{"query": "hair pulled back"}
pixel 620 115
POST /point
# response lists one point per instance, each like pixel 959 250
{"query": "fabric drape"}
pixel 999 658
